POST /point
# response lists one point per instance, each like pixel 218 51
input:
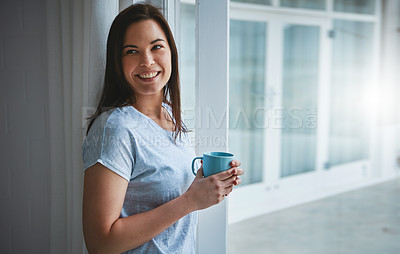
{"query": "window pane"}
pixel 351 72
pixel 355 6
pixel 305 4
pixel 266 2
pixel 299 99
pixel 246 95
pixel 187 58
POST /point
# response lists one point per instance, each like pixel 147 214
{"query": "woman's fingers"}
pixel 229 176
pixel 235 163
pixel 228 190
pixel 234 172
pixel 233 180
pixel 225 174
pixel 239 171
pixel 225 181
pixel 237 181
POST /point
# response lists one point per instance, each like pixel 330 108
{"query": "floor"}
pixel 364 221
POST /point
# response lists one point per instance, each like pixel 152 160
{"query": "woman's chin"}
pixel 150 92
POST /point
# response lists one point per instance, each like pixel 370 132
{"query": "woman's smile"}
pixel 149 75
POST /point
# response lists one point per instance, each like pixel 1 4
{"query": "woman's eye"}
pixel 157 46
pixel 130 51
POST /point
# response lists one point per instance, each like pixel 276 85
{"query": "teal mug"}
pixel 214 162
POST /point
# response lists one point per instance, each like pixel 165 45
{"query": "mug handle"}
pixel 197 158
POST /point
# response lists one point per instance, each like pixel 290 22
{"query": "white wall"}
pixel 24 146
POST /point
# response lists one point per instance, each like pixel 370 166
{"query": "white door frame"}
pixel 212 77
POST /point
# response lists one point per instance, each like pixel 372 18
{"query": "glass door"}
pixel 278 87
pixel 299 98
pixel 297 115
pixel 297 140
pixel 350 114
pixel 248 74
pixel 326 79
pixel 247 96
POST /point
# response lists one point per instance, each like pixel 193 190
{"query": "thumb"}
pixel 200 173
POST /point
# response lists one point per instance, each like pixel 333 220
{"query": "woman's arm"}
pixel 103 197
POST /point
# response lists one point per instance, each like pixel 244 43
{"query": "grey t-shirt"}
pixel 157 168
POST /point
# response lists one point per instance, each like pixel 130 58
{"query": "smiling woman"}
pixel 127 48
pixel 146 59
pixel 139 193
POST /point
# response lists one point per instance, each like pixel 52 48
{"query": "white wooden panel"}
pixel 212 27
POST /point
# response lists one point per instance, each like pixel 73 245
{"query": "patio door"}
pixel 322 141
pixel 351 113
pixel 291 119
pixel 296 140
pixel 280 79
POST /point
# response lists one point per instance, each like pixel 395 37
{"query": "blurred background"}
pixel 313 116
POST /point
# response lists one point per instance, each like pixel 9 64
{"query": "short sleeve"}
pixel 110 144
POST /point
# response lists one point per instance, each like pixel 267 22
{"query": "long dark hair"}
pixel 117 92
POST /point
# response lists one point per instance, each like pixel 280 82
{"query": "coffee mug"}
pixel 214 162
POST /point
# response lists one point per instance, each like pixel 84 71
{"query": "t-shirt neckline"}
pixel 152 121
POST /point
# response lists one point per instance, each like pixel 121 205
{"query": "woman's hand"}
pixel 208 191
pixel 239 171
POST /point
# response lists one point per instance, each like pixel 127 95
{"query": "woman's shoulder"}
pixel 116 118
pixel 120 117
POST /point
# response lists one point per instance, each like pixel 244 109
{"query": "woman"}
pixel 139 193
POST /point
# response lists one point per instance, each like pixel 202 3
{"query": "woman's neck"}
pixel 150 105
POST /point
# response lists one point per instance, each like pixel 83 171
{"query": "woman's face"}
pixel 146 57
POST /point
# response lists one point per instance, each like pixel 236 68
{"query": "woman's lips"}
pixel 148 75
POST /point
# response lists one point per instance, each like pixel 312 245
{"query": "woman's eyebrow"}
pixel 130 46
pixel 156 41
pixel 134 46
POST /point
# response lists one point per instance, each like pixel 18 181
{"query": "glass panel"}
pixel 305 4
pixel 299 99
pixel 355 6
pixel 246 95
pixel 265 2
pixel 187 58
pixel 351 69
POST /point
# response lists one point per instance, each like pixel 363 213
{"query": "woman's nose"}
pixel 147 59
